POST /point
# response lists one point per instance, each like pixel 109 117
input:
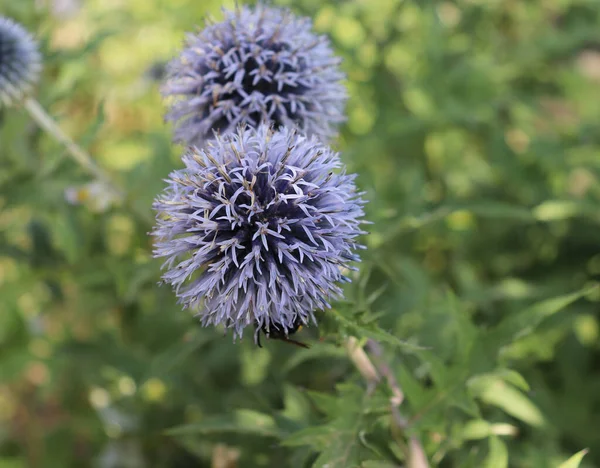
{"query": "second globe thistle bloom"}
pixel 257 228
pixel 20 61
pixel 259 64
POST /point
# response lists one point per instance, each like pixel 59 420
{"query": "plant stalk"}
pixel 80 156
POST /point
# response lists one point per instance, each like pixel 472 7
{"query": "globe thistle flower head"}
pixel 258 65
pixel 20 61
pixel 258 229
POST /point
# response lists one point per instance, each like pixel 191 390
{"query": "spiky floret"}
pixel 258 64
pixel 257 228
pixel 20 61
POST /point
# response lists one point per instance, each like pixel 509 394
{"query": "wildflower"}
pixel 257 228
pixel 96 195
pixel 20 61
pixel 260 64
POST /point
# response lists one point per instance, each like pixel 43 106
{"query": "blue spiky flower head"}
pixel 258 64
pixel 20 61
pixel 258 228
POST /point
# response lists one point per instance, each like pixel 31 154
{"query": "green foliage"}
pixel 473 126
pixel 574 461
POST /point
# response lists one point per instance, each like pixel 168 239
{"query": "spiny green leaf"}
pixel 338 441
pixel 316 437
pixel 372 331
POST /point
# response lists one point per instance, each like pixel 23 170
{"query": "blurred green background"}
pixel 474 126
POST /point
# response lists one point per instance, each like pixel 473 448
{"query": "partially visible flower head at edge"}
pixel 20 62
pixel 258 228
pixel 258 65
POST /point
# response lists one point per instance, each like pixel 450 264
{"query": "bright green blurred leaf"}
pixel 498 454
pixel 575 460
pixel 496 392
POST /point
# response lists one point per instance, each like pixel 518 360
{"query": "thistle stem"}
pixel 373 369
pixel 80 156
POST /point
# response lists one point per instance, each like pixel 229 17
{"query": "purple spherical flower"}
pixel 257 228
pixel 20 61
pixel 258 64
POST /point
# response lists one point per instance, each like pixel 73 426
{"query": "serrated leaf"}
pixel 575 460
pixel 373 332
pixel 316 437
pixel 326 403
pixel 341 452
pixel 338 441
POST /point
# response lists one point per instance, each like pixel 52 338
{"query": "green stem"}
pixel 46 122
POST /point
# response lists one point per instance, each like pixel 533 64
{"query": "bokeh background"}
pixel 474 126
